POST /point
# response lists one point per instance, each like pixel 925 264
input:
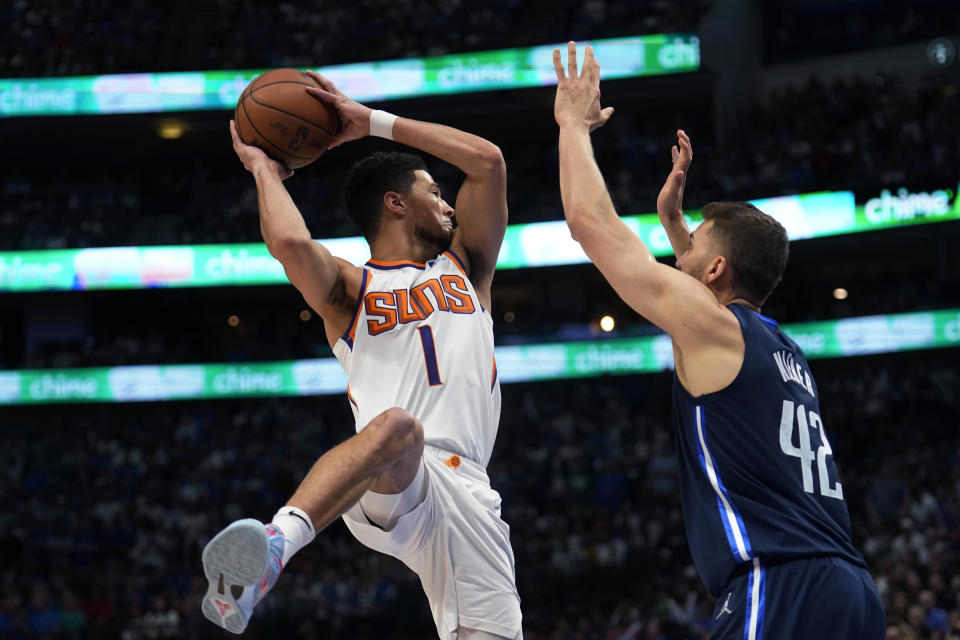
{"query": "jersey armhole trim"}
pixel 350 397
pixel 707 398
pixel 770 322
pixel 351 332
pixel 457 260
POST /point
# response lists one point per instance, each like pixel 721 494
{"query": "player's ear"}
pixel 393 202
pixel 719 268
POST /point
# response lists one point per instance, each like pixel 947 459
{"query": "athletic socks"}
pixel 295 525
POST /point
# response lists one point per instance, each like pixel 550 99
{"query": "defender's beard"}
pixel 436 240
pixel 699 271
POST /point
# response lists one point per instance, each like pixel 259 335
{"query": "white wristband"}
pixel 381 124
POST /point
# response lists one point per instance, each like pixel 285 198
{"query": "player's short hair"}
pixel 754 244
pixel 369 179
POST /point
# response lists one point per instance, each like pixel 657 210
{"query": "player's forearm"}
pixel 281 224
pixel 677 231
pixel 473 155
pixel 586 202
pixel 583 192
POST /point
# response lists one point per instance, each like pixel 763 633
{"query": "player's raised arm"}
pixel 319 277
pixel 670 200
pixel 481 206
pixel 676 302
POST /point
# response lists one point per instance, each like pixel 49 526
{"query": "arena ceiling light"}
pixel 171 129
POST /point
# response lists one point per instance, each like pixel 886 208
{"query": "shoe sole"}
pixel 237 556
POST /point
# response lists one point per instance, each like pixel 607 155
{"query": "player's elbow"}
pixel 577 222
pixel 490 158
pixel 288 247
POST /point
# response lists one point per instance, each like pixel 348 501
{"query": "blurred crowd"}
pixel 74 37
pixel 800 29
pixel 160 328
pixel 105 510
pixel 317 31
pixel 69 37
pixel 864 135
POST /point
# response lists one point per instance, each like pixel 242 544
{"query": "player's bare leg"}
pixel 243 561
pixel 384 457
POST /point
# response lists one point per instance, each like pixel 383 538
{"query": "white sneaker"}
pixel 242 563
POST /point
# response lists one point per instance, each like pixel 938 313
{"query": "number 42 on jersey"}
pixel 796 416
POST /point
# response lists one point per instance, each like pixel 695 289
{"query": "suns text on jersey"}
pixel 791 370
pixel 386 309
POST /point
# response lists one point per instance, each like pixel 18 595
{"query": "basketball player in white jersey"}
pixel 412 328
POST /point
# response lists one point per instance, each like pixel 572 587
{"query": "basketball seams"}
pixel 287 113
pixel 253 97
pixel 265 138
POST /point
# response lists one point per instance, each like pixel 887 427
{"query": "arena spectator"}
pixel 105 509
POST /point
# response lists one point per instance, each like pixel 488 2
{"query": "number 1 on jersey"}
pixel 429 354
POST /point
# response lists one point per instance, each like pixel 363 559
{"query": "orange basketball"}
pixel 277 115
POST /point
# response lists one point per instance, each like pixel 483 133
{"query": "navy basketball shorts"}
pixel 807 599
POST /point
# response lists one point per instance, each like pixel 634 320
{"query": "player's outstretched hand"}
pixel 578 96
pixel 354 116
pixel 670 200
pixel 252 156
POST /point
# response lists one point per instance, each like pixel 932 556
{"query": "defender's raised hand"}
pixel 354 117
pixel 578 95
pixel 670 200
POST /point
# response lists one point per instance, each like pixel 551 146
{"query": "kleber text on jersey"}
pixel 791 370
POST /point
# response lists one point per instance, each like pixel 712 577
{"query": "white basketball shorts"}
pixel 455 541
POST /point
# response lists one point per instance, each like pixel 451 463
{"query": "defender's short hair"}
pixel 755 245
pixel 370 178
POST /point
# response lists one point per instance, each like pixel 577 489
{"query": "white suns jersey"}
pixel 421 340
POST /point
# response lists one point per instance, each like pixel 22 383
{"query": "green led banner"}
pixel 515 363
pixel 173 382
pixel 825 339
pixel 152 267
pixel 542 244
pixel 365 81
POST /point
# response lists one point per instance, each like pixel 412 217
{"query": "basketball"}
pixel 277 115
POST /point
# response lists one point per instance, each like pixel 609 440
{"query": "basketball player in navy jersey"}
pixel 764 507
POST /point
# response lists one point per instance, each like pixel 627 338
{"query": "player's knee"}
pixel 403 431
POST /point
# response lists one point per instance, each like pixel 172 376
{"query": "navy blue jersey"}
pixel 757 474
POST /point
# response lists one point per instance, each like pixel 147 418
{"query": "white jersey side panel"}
pixel 422 341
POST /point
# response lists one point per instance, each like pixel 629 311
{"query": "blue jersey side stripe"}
pixel 732 522
pixel 756 602
pixel 763 598
pixel 723 519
